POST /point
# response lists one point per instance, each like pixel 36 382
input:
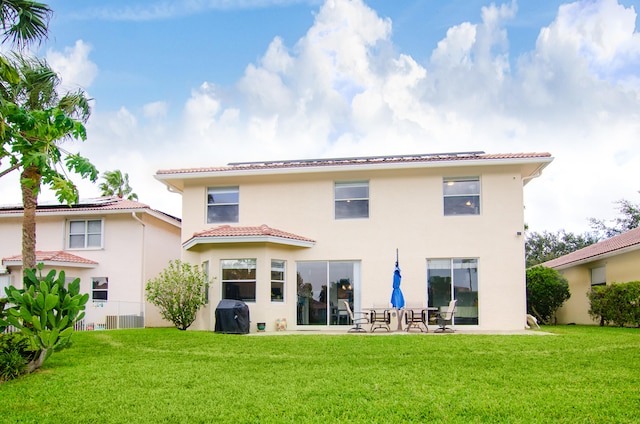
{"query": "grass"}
pixel 579 375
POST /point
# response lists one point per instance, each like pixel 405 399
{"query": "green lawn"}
pixel 578 375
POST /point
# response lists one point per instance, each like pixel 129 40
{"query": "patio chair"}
pixel 416 318
pixel 380 317
pixel 357 319
pixel 446 317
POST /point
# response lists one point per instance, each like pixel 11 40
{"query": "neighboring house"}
pixel 113 245
pixel 295 239
pixel 616 259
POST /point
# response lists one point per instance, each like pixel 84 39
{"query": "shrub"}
pixel 16 351
pixel 46 310
pixel 617 303
pixel 547 290
pixel 179 291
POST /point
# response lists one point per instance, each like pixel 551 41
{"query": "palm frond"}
pixel 24 21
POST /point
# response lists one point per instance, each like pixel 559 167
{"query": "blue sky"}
pixel 185 83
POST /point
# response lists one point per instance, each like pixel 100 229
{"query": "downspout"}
pixel 143 267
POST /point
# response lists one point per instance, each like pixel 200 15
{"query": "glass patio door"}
pixel 449 279
pixel 323 286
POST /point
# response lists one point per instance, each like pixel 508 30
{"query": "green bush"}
pixel 46 311
pixel 16 351
pixel 547 290
pixel 179 291
pixel 12 365
pixel 617 303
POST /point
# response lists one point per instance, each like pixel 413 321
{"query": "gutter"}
pixel 143 265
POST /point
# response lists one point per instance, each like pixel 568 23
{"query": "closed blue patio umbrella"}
pixel 397 299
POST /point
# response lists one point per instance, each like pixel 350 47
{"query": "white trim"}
pixel 246 239
pixel 223 172
pixel 91 212
pixel 8 263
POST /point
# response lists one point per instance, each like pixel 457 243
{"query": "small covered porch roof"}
pixel 58 258
pixel 240 234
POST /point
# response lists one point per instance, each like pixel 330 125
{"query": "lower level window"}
pixel 449 279
pixel 277 280
pixel 599 276
pixel 239 279
pixel 323 289
pixel 100 289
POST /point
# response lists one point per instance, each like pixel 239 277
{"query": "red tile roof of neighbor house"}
pixel 53 256
pixel 262 230
pixel 627 240
pixel 87 205
pixel 304 163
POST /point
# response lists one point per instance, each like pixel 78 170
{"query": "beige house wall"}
pixel 405 213
pixel 620 268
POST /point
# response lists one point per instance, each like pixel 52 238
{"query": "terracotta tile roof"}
pixel 305 163
pixel 626 240
pixel 87 205
pixel 262 230
pixel 53 256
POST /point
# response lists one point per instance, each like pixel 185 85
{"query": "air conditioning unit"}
pixel 3 269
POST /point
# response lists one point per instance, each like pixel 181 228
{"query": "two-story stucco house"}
pixel 616 259
pixel 294 239
pixel 113 245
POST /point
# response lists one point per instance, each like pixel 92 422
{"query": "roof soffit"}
pixel 530 167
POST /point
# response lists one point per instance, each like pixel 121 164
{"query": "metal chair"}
pixel 380 318
pixel 357 318
pixel 415 318
pixel 446 317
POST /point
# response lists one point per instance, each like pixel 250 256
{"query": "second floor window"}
pixel 461 196
pixel 352 200
pixel 85 234
pixel 222 204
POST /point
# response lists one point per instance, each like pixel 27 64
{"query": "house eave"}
pixel 171 180
pixel 95 212
pixel 597 257
pixel 245 239
pixel 9 263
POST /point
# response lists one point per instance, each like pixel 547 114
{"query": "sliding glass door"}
pixel 323 287
pixel 449 279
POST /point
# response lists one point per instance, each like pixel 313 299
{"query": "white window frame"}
pixel 205 271
pixel 278 265
pixel 85 234
pixel 222 190
pixel 450 181
pixel 99 281
pixel 337 200
pixel 229 264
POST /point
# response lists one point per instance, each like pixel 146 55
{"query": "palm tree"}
pixel 115 184
pixel 36 120
pixel 24 21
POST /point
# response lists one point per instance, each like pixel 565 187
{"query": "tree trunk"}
pixel 30 184
pixel 37 361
